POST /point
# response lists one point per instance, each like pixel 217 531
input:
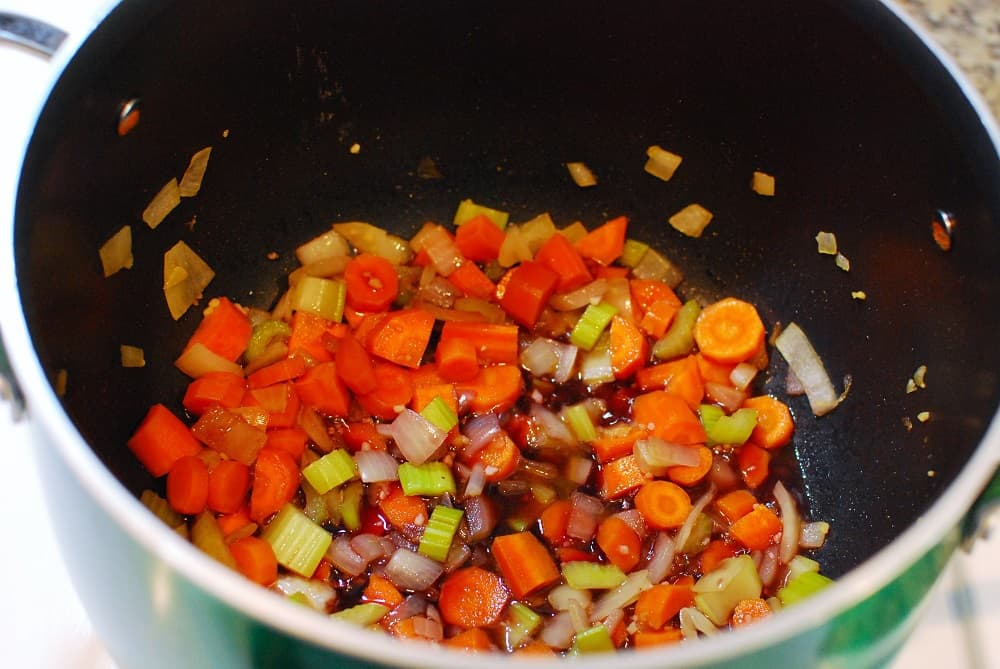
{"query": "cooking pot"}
pixel 871 135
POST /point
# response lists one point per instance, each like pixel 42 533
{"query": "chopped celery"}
pixel 440 414
pixel 580 422
pixel 592 575
pixel 596 639
pixel 368 238
pixel 537 231
pixel 574 232
pixel 315 507
pixel 439 532
pixel 803 586
pixel 322 297
pixel 430 478
pixel 799 565
pixel 733 429
pixel 633 252
pixel 207 535
pixel 519 523
pixel 331 470
pixel 718 592
pixel 161 508
pixel 363 615
pixel 299 544
pixel 521 624
pixel 591 325
pixel 679 337
pixel 467 209
pixel 709 414
pixel 263 333
pixel 350 507
pixel 299 598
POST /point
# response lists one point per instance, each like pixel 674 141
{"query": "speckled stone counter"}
pixel 969 30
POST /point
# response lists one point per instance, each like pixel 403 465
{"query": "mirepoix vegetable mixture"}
pixel 490 436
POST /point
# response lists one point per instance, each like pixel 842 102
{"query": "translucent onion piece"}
pixel 185 276
pixel 727 397
pixel 540 357
pixel 581 175
pixel 624 595
pixel 578 469
pixel 662 559
pixel 723 475
pixel 369 547
pixel 767 568
pixel 412 571
pixel 619 295
pixel 442 251
pixel 414 605
pixel 481 517
pixel 762 183
pixel 826 243
pixel 417 438
pixel 162 204
pixel 427 628
pixel 633 518
pixel 375 466
pixel 116 253
pixel 558 631
pixel 590 293
pixel 439 292
pixel 477 481
pixel 808 368
pixel 561 596
pixel 323 247
pixel 654 455
pixel 194 174
pixel 551 425
pixel 685 531
pixel 743 375
pixel 319 594
pixel 585 512
pixel 515 247
pixel 691 220
pixel 368 238
pixel 479 431
pixel 655 266
pixel 198 360
pixel 813 535
pixel 314 426
pixel 790 523
pixel 694 621
pixel 132 356
pixel 661 163
pixel 342 556
pixel 567 354
pixel 458 555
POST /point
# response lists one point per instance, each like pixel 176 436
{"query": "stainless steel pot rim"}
pixel 48 415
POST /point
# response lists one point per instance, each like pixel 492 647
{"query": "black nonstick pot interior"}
pixel 865 132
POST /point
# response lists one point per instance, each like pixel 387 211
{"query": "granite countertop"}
pixel 969 30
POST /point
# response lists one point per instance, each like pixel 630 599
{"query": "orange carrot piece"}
pixel 479 239
pixel 663 505
pixel 471 640
pixel 161 440
pixel 275 482
pixel 729 330
pixel 402 510
pixel 372 282
pixel 472 281
pixel 232 522
pixel 381 590
pixel 714 553
pixel 757 529
pixel 648 639
pixel 224 330
pixel 691 475
pixel 322 389
pixel 713 371
pixel 228 485
pixel 499 457
pixel 525 563
pixel 402 337
pixel 657 606
pixel 424 395
pixel 669 417
pixel 535 648
pixel 292 440
pixel 554 520
pixel 616 442
pixel 456 359
pixel 612 272
pixel 394 390
pixel 658 317
pixel 473 597
pixel 223 389
pixel 559 255
pixel 495 343
pixel 774 421
pixel 754 464
pixel 282 404
pixel 494 388
pixel 646 292
pixel 187 485
pixel 736 504
pixel 312 335
pixel 286 369
pixel 748 611
pixel 255 559
pixel 605 242
pixel 620 543
pixel 679 377
pixel 620 477
pixel 629 348
pixel 354 366
pixel 363 434
pixel 566 554
pixel 525 291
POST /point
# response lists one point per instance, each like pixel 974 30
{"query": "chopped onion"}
pixel 481 517
pixel 655 455
pixel 489 311
pixel 767 567
pixel 540 357
pixel 370 546
pixel 826 243
pixel 368 238
pixel 694 621
pixel 479 431
pixel 581 174
pixel 623 595
pixel 551 425
pixel 319 594
pixel 185 276
pixel 633 518
pixel 619 295
pixel 662 559
pixel 727 397
pixel 590 293
pixel 428 628
pixel 116 253
pixel 558 631
pixel 743 375
pixel 477 481
pixel 691 220
pixel 722 475
pixel 578 469
pixel 414 605
pixel 561 596
pixel 790 523
pixel 342 556
pixel 440 248
pixel 198 360
pixel 808 368
pixel 613 619
pixel 656 267
pixel 330 244
pixel 162 204
pixel 585 512
pixel 132 356
pixel 415 436
pixel 792 384
pixel 374 466
pixel 194 174
pixel 661 163
pixel 412 571
pixel 813 535
pixel 595 368
pixel 440 292
pixel 567 354
pixel 685 531
pixel 458 555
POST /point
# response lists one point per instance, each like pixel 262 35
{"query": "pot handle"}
pixel 31 33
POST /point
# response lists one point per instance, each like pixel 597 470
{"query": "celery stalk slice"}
pixel 430 478
pixel 678 340
pixel 591 325
pixel 333 469
pixel 299 544
pixel 439 532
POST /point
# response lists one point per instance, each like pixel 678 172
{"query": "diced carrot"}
pixel 354 366
pixel 558 254
pixel 611 272
pixel 736 504
pixel 494 388
pixel 605 242
pixel 322 389
pixel 666 636
pixel 525 563
pixel 479 239
pixel 693 474
pixel 472 281
pixel 471 640
pixel 473 597
pixel 255 559
pixel 658 605
pixel 323 570
pixel 616 442
pixel 187 485
pixel 774 421
pixel 292 440
pixel 713 371
pixel 573 554
pixel 757 529
pixel 381 590
pixel 286 369
pixel 729 330
pixel 754 464
pixel 646 292
pixel 526 291
pixel 499 457
pixel 554 520
pixel 456 359
pixel 620 543
pixel 495 343
pixel 312 335
pixel 679 377
pixel 402 337
pixel 402 510
pixel 365 324
pixel 620 477
pixel 230 523
pixel 714 553
pixel 658 318
pixel 372 282
pixel 161 440
pixel 223 389
pixel 394 390
pixel 629 348
pixel 663 505
pixel 228 433
pixel 424 395
pixel 228 485
pixel 275 482
pixel 534 648
pixel 224 330
pixel 282 404
pixel 427 375
pixel 669 417
pixel 748 611
pixel 363 434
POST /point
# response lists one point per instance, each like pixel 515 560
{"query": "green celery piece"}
pixel 362 615
pixel 521 623
pixel 678 340
pixel 709 414
pixel 161 509
pixel 333 469
pixel 591 325
pixel 467 209
pixel 803 586
pixel 580 422
pixel 596 639
pixel 263 333
pixel 206 535
pixel 299 598
pixel 799 565
pixel 592 575
pixel 733 429
pixel 368 238
pixel 315 506
pixel 440 414
pixel 519 523
pixel 718 592
pixel 299 544
pixel 430 478
pixel 322 297
pixel 350 507
pixel 700 534
pixel 633 252
pixel 439 532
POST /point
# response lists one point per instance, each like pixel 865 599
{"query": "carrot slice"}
pixel 322 389
pixel 283 370
pixel 499 457
pixel 619 477
pixel 729 330
pixel 669 417
pixel 679 377
pixel 691 475
pixel 494 388
pixel 456 359
pixel 754 464
pixel 394 390
pixel 354 366
pixel 312 336
pixel 605 242
pixel 616 442
pixel 657 319
pixel 372 282
pixel 402 337
pixel 554 521
pixel 402 510
pixel 471 640
pixel 736 504
pixel 525 563
pixel 748 611
pixel 658 605
pixel 224 330
pixel 714 553
pixel 526 290
pixel 559 255
pixel 187 485
pixel 774 421
pixel 228 485
pixel 472 597
pixel 495 343
pixel 223 389
pixel 620 543
pixel 161 440
pixel 472 281
pixel 648 639
pixel 664 505
pixel 292 440
pixel 381 590
pixel 757 529
pixel 479 239
pixel 275 482
pixel 629 348
pixel 646 292
pixel 255 559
